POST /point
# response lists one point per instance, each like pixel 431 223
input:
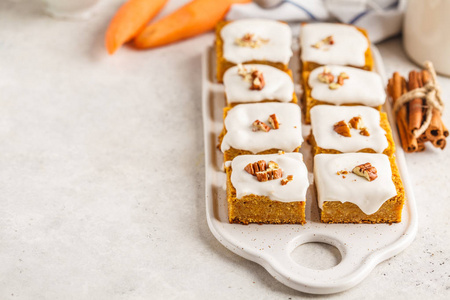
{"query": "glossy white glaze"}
pixel 278 85
pixel 291 164
pixel 277 49
pixel 349 45
pixel 323 118
pixel 362 87
pixel 368 195
pixel 240 135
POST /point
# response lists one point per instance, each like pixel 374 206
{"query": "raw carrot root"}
pixel 129 20
pixel 194 18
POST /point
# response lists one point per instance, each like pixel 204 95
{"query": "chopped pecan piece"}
pixel 326 41
pixel 258 82
pixel 274 170
pixel 317 45
pixel 325 76
pixel 273 165
pixel 364 132
pixel 258 125
pixel 244 73
pixel 287 179
pixel 341 77
pixel 256 167
pixel 273 121
pixel 356 122
pixel 274 173
pixel 367 171
pixel 264 171
pixel 250 40
pixel 334 86
pixel 342 128
pixel 262 176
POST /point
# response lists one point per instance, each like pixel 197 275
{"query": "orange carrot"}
pixel 129 20
pixel 194 18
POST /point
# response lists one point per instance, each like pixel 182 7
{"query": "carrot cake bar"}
pixel 256 41
pixel 344 129
pixel 334 44
pixel 261 128
pixel 258 83
pixel 358 188
pixel 267 189
pixel 340 85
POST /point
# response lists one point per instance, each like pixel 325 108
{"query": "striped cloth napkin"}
pixel 381 18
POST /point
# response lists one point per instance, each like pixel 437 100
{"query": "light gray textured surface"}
pixel 102 175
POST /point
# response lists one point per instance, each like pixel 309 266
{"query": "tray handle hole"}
pixel 316 255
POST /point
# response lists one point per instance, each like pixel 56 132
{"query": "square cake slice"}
pixel 261 128
pixel 345 129
pixel 252 41
pixel 267 189
pixel 337 44
pixel 358 188
pixel 254 83
pixel 339 85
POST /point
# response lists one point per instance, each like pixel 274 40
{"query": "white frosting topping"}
pixel 362 87
pixel 277 49
pixel 349 45
pixel 278 85
pixel 290 163
pixel 368 195
pixel 323 118
pixel 240 135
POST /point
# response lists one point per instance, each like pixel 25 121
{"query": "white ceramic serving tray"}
pixel 362 246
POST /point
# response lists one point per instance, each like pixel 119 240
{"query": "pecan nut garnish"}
pixel 257 80
pixel 342 128
pixel 264 171
pixel 326 41
pixel 262 176
pixel 325 76
pixel 364 132
pixel 250 40
pixel 334 86
pixel 357 123
pixel 260 126
pixel 274 174
pixel 242 71
pixel 255 77
pixel 255 167
pixel 287 179
pixel 342 77
pixel 366 170
pixel 273 121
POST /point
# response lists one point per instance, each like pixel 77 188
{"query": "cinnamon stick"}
pixel 444 129
pixel 440 142
pixel 398 88
pixel 415 106
pixel 422 138
pixel 436 128
pixel 420 146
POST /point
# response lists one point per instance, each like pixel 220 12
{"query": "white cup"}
pixel 425 33
pixel 70 8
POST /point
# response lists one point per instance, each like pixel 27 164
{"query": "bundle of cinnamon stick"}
pixel 411 116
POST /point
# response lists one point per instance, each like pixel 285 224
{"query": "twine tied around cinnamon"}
pixel 431 92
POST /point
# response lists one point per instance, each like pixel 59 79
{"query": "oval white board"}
pixel 362 246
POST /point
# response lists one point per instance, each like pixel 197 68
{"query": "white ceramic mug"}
pixel 426 31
